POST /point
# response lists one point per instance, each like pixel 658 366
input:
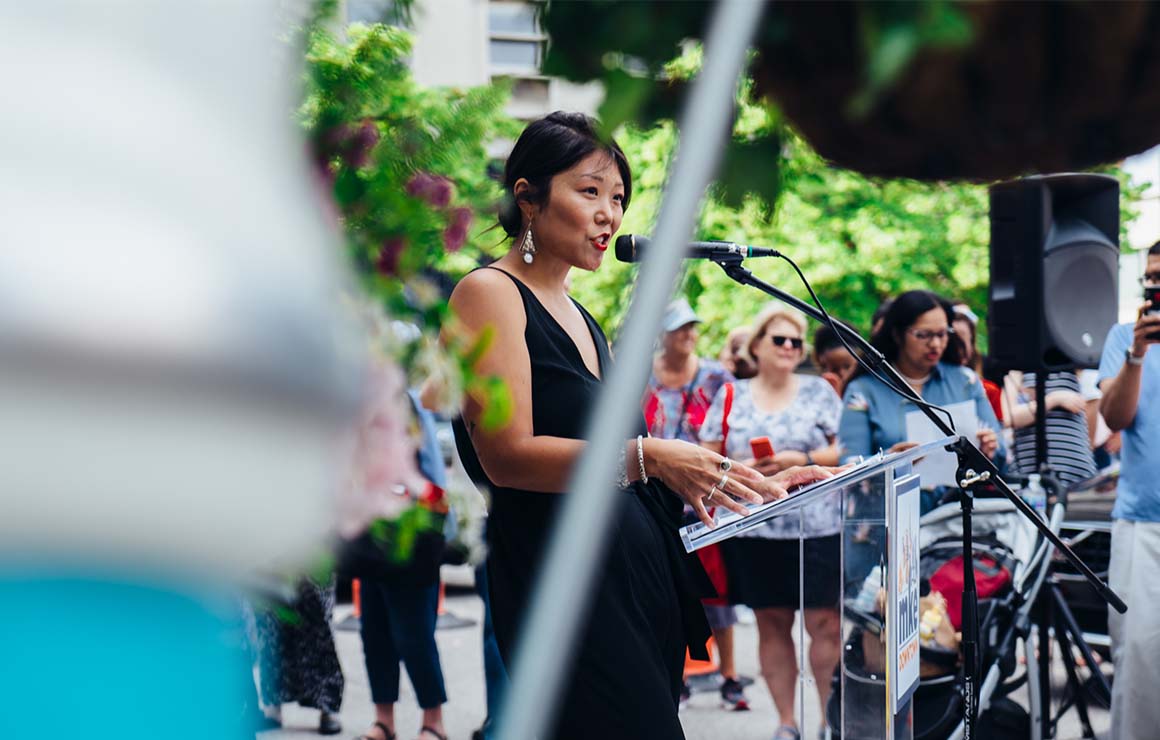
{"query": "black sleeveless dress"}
pixel 625 678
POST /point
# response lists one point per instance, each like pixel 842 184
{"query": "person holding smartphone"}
pixel 776 420
pixel 1129 378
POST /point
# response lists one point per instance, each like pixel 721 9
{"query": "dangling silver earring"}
pixel 528 246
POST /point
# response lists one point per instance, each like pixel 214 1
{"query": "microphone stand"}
pixel 974 469
pixel 1049 486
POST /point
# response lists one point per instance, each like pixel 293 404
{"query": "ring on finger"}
pixel 712 493
pixel 725 465
pixel 722 483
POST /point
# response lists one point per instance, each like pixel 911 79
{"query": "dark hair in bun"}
pixel 547 147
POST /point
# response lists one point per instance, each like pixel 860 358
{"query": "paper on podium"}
pixel 939 469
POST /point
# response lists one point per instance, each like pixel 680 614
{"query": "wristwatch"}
pixel 1132 359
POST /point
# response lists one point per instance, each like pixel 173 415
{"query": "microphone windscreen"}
pixel 630 247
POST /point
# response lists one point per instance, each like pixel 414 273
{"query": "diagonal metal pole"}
pixel 570 570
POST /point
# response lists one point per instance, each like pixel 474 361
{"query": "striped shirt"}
pixel 1069 449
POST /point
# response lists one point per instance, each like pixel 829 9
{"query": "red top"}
pixel 994 395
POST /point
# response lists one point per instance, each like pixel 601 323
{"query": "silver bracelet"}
pixel 622 468
pixel 640 458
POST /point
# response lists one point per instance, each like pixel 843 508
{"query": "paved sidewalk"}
pixel 461 655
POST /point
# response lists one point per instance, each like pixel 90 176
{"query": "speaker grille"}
pixel 1054 252
pixel 1079 303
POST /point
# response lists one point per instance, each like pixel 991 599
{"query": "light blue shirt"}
pixel 1138 493
pixel 874 416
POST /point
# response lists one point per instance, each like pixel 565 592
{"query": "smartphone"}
pixel 761 447
pixel 1152 293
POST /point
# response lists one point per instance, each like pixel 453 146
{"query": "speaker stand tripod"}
pixel 1054 616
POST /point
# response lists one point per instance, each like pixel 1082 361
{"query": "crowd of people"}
pixel 774 403
pixel 775 409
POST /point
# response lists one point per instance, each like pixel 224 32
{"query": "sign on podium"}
pixel 857 557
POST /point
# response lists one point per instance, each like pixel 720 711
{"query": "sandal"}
pixel 432 731
pixel 386 732
pixel 786 732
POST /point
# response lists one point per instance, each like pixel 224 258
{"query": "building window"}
pixel 516 41
pixel 372 11
pixel 512 17
pixel 515 55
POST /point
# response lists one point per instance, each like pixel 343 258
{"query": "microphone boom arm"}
pixel 970 457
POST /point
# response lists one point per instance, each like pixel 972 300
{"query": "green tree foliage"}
pixel 859 240
pixel 408 164
pixel 408 170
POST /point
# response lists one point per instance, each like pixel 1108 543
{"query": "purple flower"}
pixel 454 236
pixel 434 189
pixel 462 217
pixel 389 254
pixel 333 140
pixel 361 143
pixel 419 185
pixel 441 192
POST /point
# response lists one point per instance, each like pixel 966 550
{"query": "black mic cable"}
pixel 908 393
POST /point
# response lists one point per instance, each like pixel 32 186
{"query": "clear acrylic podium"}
pixel 874 508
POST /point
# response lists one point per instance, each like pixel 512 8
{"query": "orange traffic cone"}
pixel 694 667
pixel 353 620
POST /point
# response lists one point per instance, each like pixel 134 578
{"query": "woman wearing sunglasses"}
pixel 798 414
pixel 917 339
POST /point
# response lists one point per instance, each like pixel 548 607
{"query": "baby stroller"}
pixel 1011 562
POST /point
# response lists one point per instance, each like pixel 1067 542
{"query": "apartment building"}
pixel 472 42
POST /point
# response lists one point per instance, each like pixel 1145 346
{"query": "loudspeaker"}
pixel 1054 270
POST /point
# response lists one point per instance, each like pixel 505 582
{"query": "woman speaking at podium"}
pixel 567 193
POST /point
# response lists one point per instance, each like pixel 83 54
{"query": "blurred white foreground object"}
pixel 174 374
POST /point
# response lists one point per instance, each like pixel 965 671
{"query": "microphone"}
pixel 631 247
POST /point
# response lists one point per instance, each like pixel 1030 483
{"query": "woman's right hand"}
pixel 693 472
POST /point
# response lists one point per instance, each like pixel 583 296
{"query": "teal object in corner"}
pixel 112 658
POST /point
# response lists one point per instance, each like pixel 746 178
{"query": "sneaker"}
pixel 733 695
pixel 329 724
pixel 686 694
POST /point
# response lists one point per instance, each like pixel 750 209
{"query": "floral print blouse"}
pixel 677 413
pixel 809 422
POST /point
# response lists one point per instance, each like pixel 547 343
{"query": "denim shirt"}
pixel 1138 492
pixel 874 416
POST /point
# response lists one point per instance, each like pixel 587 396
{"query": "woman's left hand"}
pixel 988 441
pixel 696 475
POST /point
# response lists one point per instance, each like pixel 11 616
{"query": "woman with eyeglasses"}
pixel 915 337
pixel 798 415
